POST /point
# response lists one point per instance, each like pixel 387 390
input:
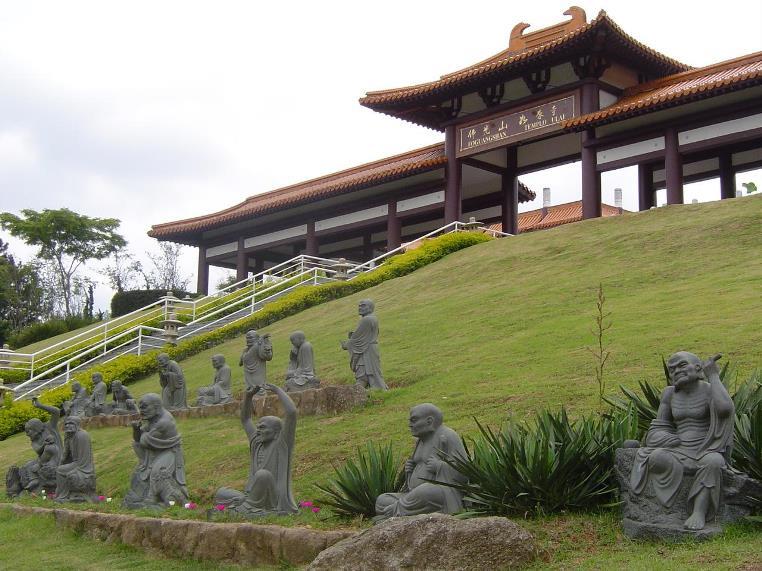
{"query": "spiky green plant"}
pixel 356 484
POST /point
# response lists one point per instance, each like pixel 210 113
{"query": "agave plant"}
pixel 356 484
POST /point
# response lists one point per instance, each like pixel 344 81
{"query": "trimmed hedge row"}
pixel 127 301
pixel 130 368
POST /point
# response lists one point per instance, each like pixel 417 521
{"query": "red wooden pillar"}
pixel 393 227
pixel 591 178
pixel 312 242
pixel 727 177
pixel 367 246
pixel 510 193
pixel 454 176
pixel 673 167
pixel 202 283
pixel 645 187
pixel 242 262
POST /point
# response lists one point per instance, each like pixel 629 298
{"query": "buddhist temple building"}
pixel 577 91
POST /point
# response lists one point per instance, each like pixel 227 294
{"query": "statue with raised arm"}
pixel 172 383
pixel 75 481
pixel 80 400
pixel 300 374
pixel 362 344
pixel 258 351
pixel 38 474
pixel 219 391
pixel 692 434
pixel 160 475
pixel 271 448
pixel 122 401
pixel 418 495
pixel 97 402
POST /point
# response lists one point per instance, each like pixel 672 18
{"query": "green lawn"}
pixel 499 329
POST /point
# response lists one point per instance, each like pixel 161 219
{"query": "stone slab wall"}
pixel 331 399
pixel 241 543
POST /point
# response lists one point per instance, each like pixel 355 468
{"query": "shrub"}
pixel 353 489
pixel 126 301
pixel 46 330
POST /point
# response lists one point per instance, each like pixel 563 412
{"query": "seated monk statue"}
pixel 160 475
pixel 75 480
pixel 123 403
pixel 300 374
pixel 271 447
pixel 97 402
pixel 39 474
pixel 77 405
pixel 419 496
pixel 219 391
pixel 692 432
pixel 172 383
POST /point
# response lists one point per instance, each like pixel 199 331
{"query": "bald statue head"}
pixel 34 427
pixel 424 419
pixel 150 406
pixel 684 369
pixel 71 424
pixel 297 338
pixel 366 307
pixel 268 428
pixel 218 361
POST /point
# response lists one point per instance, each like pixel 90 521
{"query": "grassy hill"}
pixel 495 330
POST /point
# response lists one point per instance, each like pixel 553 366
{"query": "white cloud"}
pixel 17 151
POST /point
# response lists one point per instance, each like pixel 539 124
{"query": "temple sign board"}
pixel 516 126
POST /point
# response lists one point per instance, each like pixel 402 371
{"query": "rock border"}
pixel 240 543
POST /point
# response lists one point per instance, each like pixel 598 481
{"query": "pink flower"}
pixel 51 496
pixel 101 498
pixel 315 510
pixel 191 506
pixel 305 504
pixel 220 507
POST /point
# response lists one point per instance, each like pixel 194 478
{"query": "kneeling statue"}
pixel 76 475
pixel 419 496
pixel 219 391
pixel 271 447
pixel 160 475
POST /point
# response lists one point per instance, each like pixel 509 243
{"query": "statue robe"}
pixel 97 399
pixel 301 368
pixel 364 356
pixel 76 474
pixel 254 362
pixel 218 392
pixel 172 384
pixel 121 398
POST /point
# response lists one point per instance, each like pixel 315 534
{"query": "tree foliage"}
pixel 67 239
pixel 21 293
pixel 166 273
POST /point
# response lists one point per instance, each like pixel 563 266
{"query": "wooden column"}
pixel 727 177
pixel 295 249
pixel 393 227
pixel 673 167
pixel 510 193
pixel 454 176
pixel 202 283
pixel 367 246
pixel 312 242
pixel 259 264
pixel 591 178
pixel 242 262
pixel 645 187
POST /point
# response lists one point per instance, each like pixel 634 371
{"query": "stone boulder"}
pixel 645 518
pixel 432 541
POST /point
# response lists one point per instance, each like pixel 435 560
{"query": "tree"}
pixel 123 271
pixel 21 293
pixel 67 239
pixel 749 186
pixel 166 273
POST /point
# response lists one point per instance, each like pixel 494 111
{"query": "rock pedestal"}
pixel 645 518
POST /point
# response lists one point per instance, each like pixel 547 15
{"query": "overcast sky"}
pixel 161 110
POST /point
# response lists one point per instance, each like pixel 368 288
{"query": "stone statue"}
pixel 419 496
pixel 364 357
pixel 97 404
pixel 219 391
pixel 80 400
pixel 172 383
pixel 123 403
pixel 691 434
pixel 75 480
pixel 38 474
pixel 160 475
pixel 301 365
pixel 254 359
pixel 271 446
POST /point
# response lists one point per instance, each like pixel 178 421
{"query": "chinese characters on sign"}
pixel 516 126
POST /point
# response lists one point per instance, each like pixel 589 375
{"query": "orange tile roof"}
pixel 555 216
pixel 677 89
pixel 362 176
pixel 509 61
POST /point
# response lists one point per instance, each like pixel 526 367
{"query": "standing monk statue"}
pixel 254 359
pixel 271 448
pixel 76 474
pixel 160 475
pixel 692 432
pixel 300 374
pixel 172 383
pixel 219 391
pixel 364 357
pixel 420 496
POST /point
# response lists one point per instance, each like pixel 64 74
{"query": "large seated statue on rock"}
pixel 420 496
pixel 219 392
pixel 160 475
pixel 172 383
pixel 680 476
pixel 364 356
pixel 75 481
pixel 97 404
pixel 258 351
pixel 123 403
pixel 271 447
pixel 300 374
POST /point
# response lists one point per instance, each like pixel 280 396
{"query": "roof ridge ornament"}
pixel 520 41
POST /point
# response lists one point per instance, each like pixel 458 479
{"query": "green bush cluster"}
pixel 126 301
pixel 129 368
pixel 46 330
